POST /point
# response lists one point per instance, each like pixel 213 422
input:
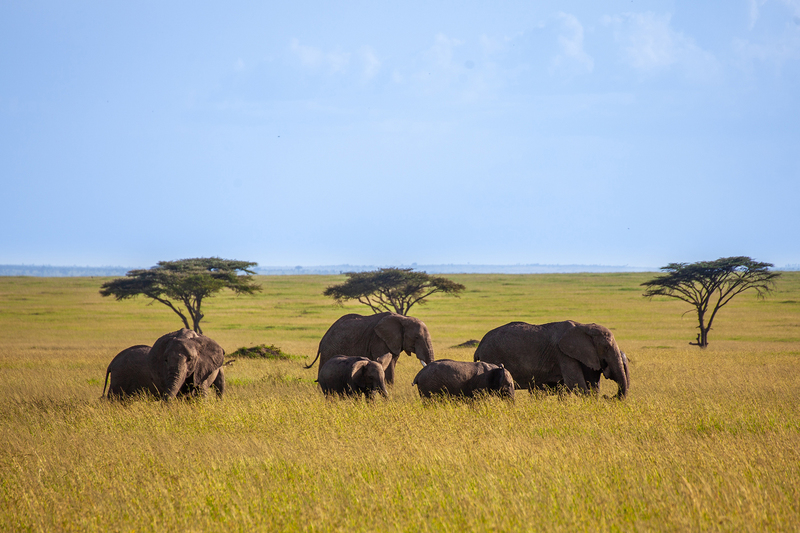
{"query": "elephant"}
pixel 372 336
pixel 565 353
pixel 354 376
pixel 180 363
pixel 464 378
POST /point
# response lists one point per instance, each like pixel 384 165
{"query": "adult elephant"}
pixel 560 353
pixel 372 336
pixel 179 363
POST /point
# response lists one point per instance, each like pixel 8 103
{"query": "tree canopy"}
pixel 709 285
pixel 391 289
pixel 184 284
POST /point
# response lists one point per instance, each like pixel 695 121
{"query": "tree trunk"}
pixel 702 337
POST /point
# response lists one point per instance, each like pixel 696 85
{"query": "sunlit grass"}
pixel 707 439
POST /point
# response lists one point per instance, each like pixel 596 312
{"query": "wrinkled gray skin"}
pixel 354 376
pixel 179 363
pixel 565 353
pixel 372 336
pixel 464 378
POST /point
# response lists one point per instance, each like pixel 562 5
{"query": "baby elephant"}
pixel 463 378
pixel 354 376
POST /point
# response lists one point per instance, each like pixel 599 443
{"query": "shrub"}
pixel 262 351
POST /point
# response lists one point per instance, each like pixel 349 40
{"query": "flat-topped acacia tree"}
pixel 709 285
pixel 391 289
pixel 184 284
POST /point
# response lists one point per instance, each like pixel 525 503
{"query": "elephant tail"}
pixel 108 371
pixel 309 365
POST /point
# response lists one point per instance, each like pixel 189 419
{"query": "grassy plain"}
pixel 708 440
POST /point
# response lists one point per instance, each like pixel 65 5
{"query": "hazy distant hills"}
pixel 77 271
pixel 453 269
pixel 61 271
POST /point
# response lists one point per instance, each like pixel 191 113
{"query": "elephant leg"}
pixel 572 373
pixel 549 387
pixel 389 372
pixel 219 383
pixel 592 378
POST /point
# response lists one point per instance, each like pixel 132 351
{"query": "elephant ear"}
pixel 578 344
pixel 390 331
pixel 496 376
pixel 210 357
pixel 357 371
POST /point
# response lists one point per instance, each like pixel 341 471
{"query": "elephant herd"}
pixel 358 355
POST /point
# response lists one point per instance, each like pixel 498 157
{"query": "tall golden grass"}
pixel 707 439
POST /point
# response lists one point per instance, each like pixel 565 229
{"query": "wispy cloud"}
pixel 371 63
pixel 437 69
pixel 794 6
pixel 755 11
pixel 313 57
pixel 570 41
pixel 774 47
pixel 649 44
pixel 364 63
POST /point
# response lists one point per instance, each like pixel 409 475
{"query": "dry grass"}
pixel 707 440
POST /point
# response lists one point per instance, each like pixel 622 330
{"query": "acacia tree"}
pixel 391 289
pixel 709 285
pixel 184 284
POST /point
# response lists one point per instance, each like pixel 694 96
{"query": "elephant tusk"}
pixel 423 363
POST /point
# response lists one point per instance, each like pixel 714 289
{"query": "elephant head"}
pixel 369 376
pixel 595 347
pixel 406 334
pixel 185 361
pixel 500 381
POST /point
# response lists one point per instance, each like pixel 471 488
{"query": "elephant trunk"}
pixel 424 350
pixel 617 370
pixel 176 376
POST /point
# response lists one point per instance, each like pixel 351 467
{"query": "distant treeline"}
pixel 450 269
pixel 48 271
pixel 76 271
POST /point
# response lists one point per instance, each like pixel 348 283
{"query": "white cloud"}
pixel 441 53
pixel 337 61
pixel 490 46
pixel 570 42
pixel 437 69
pixel 372 64
pixel 650 45
pixel 308 55
pixel 779 44
pixel 777 51
pixel 460 70
pixel 755 11
pixel 794 6
pixel 313 57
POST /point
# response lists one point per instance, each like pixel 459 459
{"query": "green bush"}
pixel 262 351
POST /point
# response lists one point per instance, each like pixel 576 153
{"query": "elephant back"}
pixel 513 345
pixel 350 335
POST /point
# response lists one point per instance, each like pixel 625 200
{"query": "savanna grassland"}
pixel 707 439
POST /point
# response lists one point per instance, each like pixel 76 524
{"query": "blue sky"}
pixel 314 133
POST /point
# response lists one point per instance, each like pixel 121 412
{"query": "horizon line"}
pixel 33 270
